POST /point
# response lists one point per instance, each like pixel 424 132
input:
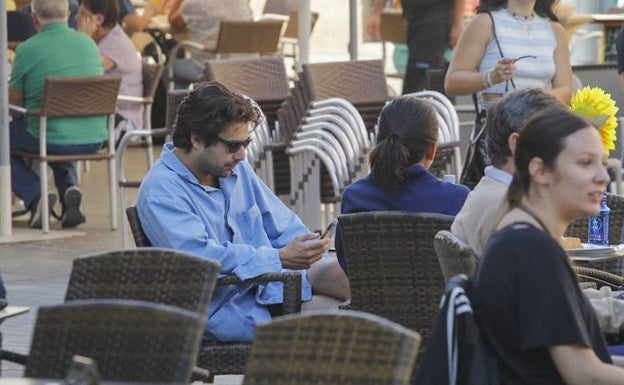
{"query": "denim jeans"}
pixel 25 181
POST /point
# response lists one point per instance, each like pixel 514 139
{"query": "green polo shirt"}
pixel 58 50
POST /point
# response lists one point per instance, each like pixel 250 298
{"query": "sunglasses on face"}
pixel 234 145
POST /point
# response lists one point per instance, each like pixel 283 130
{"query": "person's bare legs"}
pixel 330 285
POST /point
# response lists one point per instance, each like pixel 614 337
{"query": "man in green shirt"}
pixel 56 50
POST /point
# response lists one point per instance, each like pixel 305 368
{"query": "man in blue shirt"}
pixel 203 197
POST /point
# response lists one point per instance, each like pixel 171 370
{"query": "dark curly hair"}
pixel 209 109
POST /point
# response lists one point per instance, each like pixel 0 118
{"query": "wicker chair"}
pixel 157 275
pixel 174 98
pixel 332 347
pixel 599 277
pixel 235 37
pixel 230 358
pixel 151 274
pixel 263 79
pixel 615 202
pixel 454 255
pixel 75 96
pixel 393 268
pixel 129 340
pixel 151 72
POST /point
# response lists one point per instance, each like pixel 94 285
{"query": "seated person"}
pixel 526 297
pixel 204 198
pixel 73 12
pixel 485 205
pixel 399 179
pixel 199 20
pixel 98 19
pixel 56 50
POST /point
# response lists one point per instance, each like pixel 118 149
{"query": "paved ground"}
pixel 36 272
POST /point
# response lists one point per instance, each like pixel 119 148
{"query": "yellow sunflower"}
pixel 597 106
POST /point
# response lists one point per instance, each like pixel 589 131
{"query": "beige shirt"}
pixel 481 212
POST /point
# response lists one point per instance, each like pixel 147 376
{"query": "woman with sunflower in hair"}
pixel 526 298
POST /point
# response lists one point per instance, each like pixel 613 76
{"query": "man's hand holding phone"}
pixel 304 250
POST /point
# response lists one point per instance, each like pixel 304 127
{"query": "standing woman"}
pixel 510 44
pixel 98 19
pixel 526 297
pixel 527 31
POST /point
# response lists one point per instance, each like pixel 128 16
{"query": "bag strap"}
pixel 500 50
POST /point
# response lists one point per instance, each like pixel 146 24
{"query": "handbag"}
pixel 477 157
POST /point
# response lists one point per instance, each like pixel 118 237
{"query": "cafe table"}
pixel 606 258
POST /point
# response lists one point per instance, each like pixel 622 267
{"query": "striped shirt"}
pixel 519 37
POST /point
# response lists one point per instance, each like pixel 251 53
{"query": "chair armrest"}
pixel 273 16
pixel 600 277
pixel 17 358
pixel 191 44
pixel 133 99
pixel 200 374
pixel 19 109
pixel 292 287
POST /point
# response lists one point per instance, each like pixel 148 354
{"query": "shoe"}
pixel 72 216
pixel 35 211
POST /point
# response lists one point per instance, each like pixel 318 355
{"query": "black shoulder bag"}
pixel 477 157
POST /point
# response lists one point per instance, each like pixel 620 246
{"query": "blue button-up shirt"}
pixel 241 225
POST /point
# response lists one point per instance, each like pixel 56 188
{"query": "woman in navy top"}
pixel 399 180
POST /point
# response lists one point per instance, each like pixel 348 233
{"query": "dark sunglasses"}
pixel 234 145
pixel 515 60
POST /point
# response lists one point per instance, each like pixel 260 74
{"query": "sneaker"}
pixel 35 211
pixel 72 216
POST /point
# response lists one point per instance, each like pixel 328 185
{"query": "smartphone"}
pixel 330 230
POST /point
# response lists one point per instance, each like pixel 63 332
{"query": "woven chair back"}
pixel 454 255
pixel 361 82
pixel 151 274
pixel 80 95
pixel 247 36
pixel 129 340
pixel 152 72
pixel 332 347
pixel 140 238
pixel 392 27
pixel 292 28
pixel 393 269
pixel 263 79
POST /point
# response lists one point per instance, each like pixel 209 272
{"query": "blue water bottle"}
pixel 598 226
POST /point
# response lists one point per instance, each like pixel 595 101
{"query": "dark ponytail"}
pixel 407 129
